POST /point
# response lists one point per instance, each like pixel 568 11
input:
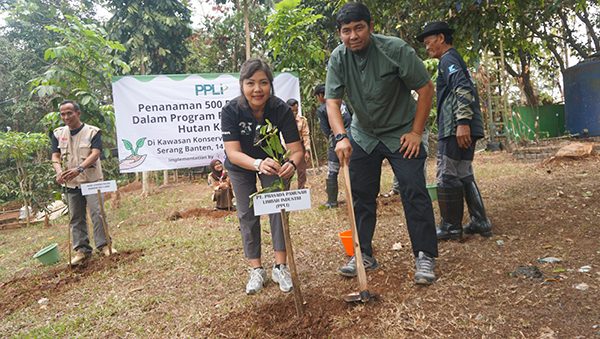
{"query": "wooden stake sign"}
pixel 268 203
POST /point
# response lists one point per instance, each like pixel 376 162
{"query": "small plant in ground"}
pixel 268 140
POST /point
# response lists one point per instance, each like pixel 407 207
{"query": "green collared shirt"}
pixel 379 87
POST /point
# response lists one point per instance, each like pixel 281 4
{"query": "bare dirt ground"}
pixel 185 277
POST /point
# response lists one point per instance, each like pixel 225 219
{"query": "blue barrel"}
pixel 582 99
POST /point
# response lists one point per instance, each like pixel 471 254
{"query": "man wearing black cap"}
pixel 377 73
pixel 459 126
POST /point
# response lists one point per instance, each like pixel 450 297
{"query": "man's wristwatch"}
pixel 80 169
pixel 257 164
pixel 340 136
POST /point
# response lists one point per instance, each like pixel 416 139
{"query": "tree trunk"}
pixel 527 87
pixel 235 67
pixel 165 177
pixel 146 182
pixel 247 26
pixel 21 170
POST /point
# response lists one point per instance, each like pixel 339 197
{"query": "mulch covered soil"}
pixel 496 287
pixel 22 291
pixel 198 213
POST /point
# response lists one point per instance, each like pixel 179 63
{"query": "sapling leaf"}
pixel 278 146
pixel 272 146
pixel 268 151
pixel 264 190
pixel 273 149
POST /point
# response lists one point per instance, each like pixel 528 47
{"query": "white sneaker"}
pixel 257 280
pixel 282 276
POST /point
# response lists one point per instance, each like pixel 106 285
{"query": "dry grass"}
pixel 186 278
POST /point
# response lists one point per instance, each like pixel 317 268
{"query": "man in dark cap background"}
pixel 333 163
pixel 460 125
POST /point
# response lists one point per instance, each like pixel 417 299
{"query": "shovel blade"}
pixel 363 296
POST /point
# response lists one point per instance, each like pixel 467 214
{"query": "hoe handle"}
pixel 360 268
pixel 108 242
pixel 292 264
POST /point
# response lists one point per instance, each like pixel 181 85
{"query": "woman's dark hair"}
pixel 352 12
pixel 247 71
pixel 292 102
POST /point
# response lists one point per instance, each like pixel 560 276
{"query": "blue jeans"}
pixel 365 175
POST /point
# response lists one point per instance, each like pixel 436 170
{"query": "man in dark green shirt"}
pixel 378 73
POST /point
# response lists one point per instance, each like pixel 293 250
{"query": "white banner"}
pixel 174 121
pixel 269 203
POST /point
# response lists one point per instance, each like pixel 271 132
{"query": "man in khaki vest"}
pixel 77 146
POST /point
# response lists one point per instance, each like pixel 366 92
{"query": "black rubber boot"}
pixel 480 224
pixel 450 200
pixel 332 193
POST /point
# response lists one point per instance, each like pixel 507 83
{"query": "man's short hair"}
pixel 319 89
pixel 352 12
pixel 292 102
pixel 74 103
pixel 448 38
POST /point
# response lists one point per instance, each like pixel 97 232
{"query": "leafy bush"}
pixel 41 186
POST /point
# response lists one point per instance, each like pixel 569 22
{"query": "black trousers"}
pixel 365 175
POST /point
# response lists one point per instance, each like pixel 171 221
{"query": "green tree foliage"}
pixel 154 32
pixel 82 66
pixel 290 30
pixel 23 41
pixel 22 148
pixel 295 44
pixel 534 34
pixel 219 46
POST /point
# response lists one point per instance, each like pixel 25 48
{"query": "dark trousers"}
pixel 79 227
pixel 244 184
pixel 301 171
pixel 365 174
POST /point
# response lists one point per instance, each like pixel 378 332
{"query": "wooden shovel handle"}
pixel 108 242
pixel 360 267
pixel 292 264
